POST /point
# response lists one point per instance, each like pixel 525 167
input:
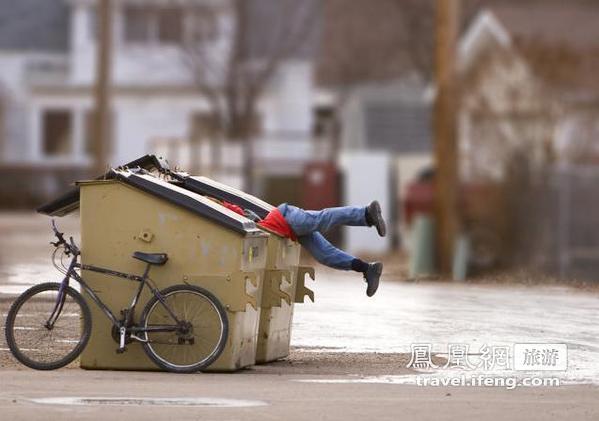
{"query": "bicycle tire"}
pixel 85 323
pixel 217 319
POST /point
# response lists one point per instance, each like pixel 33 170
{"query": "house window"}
pixel 169 25
pixel 57 132
pixel 138 24
pixel 324 122
pixel 153 24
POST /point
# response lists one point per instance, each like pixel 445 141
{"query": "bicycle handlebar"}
pixel 69 248
pixel 58 234
pixel 73 247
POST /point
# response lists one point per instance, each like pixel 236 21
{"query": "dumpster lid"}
pixel 212 188
pixel 69 200
pixel 186 199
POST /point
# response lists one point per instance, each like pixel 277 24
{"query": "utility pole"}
pixel 445 132
pixel 102 116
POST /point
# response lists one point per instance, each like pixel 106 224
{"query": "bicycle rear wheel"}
pixel 39 346
pixel 200 337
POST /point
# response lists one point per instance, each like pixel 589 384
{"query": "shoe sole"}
pixel 381 226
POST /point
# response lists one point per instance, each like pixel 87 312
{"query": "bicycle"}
pixel 183 328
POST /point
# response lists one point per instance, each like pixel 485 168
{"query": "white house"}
pixel 47 71
pixel 528 86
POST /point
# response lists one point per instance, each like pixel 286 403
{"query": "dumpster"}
pixel 207 245
pixel 283 280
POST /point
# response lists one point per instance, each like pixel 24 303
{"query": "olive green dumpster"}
pixel 283 281
pixel 207 245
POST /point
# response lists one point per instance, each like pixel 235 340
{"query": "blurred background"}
pixel 474 122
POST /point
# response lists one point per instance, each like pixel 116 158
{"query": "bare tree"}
pixel 234 62
pixel 371 41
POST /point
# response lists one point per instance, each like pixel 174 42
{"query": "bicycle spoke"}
pixel 205 329
pixel 34 341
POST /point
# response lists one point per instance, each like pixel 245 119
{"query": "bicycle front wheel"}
pixel 39 345
pixel 198 339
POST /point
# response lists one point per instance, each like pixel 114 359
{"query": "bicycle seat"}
pixel 151 258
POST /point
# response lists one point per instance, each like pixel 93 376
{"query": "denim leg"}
pixel 305 222
pixel 325 252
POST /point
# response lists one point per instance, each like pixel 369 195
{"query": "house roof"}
pixel 34 25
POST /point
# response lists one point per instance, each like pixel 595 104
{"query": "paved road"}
pixel 350 354
pixel 441 314
pixel 283 397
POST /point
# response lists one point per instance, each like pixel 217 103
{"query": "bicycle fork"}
pixel 60 299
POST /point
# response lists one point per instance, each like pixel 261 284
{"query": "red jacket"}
pixel 274 221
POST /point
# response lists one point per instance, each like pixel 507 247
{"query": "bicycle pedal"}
pixel 123 332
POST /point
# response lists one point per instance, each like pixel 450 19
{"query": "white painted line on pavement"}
pixel 194 402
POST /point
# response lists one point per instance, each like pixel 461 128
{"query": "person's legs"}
pixel 304 222
pixel 325 253
pixel 331 256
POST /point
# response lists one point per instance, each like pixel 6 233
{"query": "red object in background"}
pixel 419 200
pixel 320 186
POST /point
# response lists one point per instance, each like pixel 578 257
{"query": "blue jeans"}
pixel 308 225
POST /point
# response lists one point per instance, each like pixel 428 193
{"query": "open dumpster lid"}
pixel 69 201
pixel 209 187
pixel 186 199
